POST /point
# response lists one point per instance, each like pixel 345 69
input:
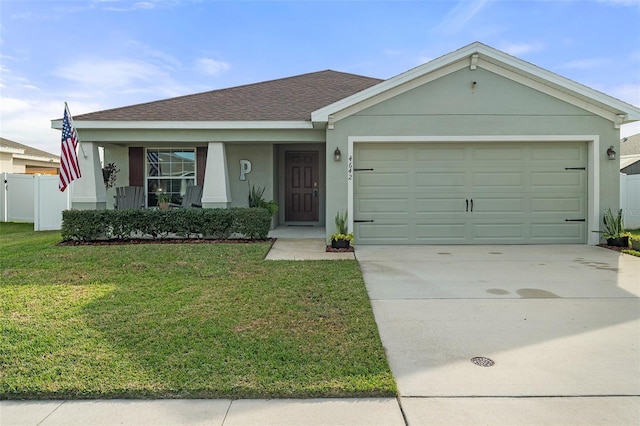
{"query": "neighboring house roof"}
pixel 630 145
pixel 478 55
pixel 26 152
pixel 627 160
pixel 285 99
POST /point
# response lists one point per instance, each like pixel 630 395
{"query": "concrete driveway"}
pixel 557 321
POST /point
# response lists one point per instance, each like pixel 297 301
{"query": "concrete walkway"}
pixel 561 323
pixel 302 243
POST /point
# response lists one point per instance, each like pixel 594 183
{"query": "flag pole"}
pixel 74 126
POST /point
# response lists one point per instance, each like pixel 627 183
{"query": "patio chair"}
pixel 192 198
pixel 129 197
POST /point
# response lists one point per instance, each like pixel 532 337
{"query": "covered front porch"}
pixel 291 174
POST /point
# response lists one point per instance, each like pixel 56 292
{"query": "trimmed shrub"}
pixel 93 225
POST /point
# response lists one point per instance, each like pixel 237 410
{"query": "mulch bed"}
pixel 615 248
pixel 340 250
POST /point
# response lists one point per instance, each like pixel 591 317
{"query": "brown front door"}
pixel 301 189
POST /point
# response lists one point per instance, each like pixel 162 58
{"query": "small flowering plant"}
pixel 342 237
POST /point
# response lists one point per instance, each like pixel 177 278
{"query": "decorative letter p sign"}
pixel 245 169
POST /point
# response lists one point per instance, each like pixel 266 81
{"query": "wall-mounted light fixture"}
pixel 611 153
pixel 337 155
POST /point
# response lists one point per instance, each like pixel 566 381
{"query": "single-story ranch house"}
pixel 475 147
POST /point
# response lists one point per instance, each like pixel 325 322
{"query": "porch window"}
pixel 169 171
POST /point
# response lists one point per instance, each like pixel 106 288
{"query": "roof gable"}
pixel 474 56
pixel 286 99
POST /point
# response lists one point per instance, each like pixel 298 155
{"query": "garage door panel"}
pixel 382 205
pixel 439 205
pixel 568 232
pixel 497 153
pixel 382 153
pixel 497 180
pixel 383 181
pixel 555 153
pixel 568 204
pixel 440 233
pixel 385 232
pixel 554 181
pixel 441 180
pixel 498 231
pixel 498 205
pixel 441 154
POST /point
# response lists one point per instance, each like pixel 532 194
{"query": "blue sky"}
pixel 100 54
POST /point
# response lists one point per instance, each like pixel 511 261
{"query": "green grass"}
pixel 181 321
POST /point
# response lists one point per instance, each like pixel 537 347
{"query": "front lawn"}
pixel 181 321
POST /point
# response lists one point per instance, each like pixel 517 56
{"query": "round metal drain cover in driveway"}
pixel 482 361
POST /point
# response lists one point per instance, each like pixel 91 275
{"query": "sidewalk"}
pixel 220 412
pixel 566 411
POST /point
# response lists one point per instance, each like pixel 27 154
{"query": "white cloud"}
pixel 28 121
pixel 110 74
pixel 460 15
pixel 211 66
pixel 12 105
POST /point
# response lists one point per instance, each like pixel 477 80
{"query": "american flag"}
pixel 69 167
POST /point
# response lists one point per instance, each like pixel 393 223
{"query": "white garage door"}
pixel 470 193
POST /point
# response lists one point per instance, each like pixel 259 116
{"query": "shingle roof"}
pixel 27 149
pixel 286 99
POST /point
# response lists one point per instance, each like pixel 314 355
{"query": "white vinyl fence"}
pixel 33 198
pixel 630 200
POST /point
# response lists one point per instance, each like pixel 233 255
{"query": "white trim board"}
pixel 593 164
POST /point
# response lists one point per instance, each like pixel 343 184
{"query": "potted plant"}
pixel 342 238
pixel 614 229
pixel 164 199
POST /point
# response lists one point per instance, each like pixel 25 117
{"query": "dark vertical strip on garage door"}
pixel 136 166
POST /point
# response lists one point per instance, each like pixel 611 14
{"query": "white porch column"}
pixel 89 192
pixel 216 192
